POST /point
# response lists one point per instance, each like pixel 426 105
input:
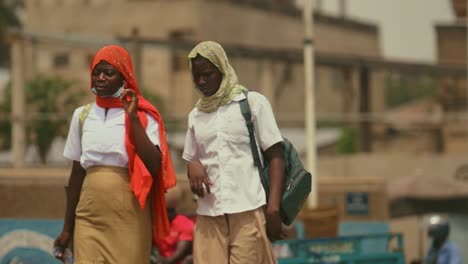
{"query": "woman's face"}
pixel 106 79
pixel 206 76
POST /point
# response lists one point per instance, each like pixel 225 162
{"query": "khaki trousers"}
pixel 238 238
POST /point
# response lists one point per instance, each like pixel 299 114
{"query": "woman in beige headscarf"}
pixel 235 221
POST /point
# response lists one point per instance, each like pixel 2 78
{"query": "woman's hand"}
pixel 130 102
pixel 61 242
pixel 274 225
pixel 198 178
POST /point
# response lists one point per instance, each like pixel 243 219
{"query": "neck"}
pixel 438 243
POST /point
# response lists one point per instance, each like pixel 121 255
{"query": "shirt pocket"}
pixel 234 127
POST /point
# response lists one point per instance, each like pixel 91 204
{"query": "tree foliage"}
pixel 50 96
pixel 50 102
pixel 8 19
pixel 347 143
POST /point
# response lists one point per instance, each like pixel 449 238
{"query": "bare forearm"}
pixel 146 150
pixel 75 183
pixel 276 183
pixel 275 157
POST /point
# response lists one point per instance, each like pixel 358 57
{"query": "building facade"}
pixel 71 30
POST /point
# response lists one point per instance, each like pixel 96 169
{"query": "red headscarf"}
pixel 141 180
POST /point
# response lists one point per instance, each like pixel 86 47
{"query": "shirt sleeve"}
pixel 267 130
pixel 72 150
pixel 152 130
pixel 190 146
pixel 455 257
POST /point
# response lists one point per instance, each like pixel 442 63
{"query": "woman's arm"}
pixel 271 141
pixel 274 155
pixel 146 150
pixel 73 196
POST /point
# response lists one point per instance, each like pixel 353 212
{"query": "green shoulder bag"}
pixel 297 181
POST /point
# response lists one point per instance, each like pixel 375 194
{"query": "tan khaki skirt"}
pixel 110 226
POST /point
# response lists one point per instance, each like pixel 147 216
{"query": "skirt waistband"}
pixel 114 169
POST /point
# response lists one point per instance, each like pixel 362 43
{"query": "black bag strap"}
pixel 247 114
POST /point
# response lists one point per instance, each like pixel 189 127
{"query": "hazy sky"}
pixel 406 26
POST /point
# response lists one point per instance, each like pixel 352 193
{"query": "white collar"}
pixel 239 97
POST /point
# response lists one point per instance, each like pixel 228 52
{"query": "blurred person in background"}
pixel 121 169
pixel 176 248
pixel 235 223
pixel 441 250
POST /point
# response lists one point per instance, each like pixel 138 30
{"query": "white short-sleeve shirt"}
pixel 220 141
pixel 102 141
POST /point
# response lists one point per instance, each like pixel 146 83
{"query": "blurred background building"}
pixel 384 125
pixel 268 61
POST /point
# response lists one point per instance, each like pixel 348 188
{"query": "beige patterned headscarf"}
pixel 229 86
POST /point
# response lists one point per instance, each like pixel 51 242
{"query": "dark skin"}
pixel 107 81
pixel 183 247
pixel 207 78
pixel 75 182
pixel 439 239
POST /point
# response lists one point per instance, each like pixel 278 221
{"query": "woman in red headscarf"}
pixel 121 169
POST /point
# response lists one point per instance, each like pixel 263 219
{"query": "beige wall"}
pixel 415 239
pixel 291 101
pixel 452 43
pixel 411 142
pixel 452 49
pixel 183 98
pixel 105 20
pixel 244 25
pixel 333 190
pixel 344 40
pixel 389 166
pixel 378 92
pixel 247 26
pixel 280 81
pixel 336 174
pixel 156 71
pixel 456 138
pixel 329 92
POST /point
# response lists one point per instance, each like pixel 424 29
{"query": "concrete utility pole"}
pixel 135 51
pixel 18 102
pixel 342 8
pixel 309 78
